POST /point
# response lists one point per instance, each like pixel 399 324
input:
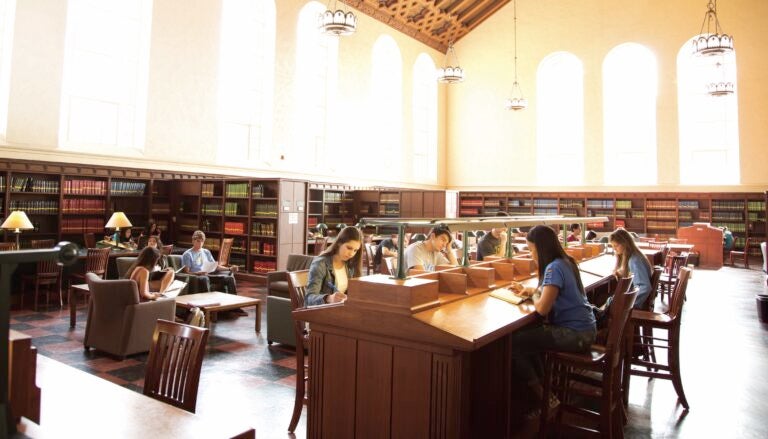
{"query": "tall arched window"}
pixel 7 18
pixel 560 116
pixel 630 80
pixel 387 107
pixel 246 80
pixel 106 64
pixel 315 88
pixel 424 165
pixel 708 125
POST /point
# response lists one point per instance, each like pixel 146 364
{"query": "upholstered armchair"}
pixel 118 323
pixel 279 320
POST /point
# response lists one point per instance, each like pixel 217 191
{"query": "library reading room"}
pixel 383 219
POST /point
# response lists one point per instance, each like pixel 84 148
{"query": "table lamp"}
pixel 117 220
pixel 17 221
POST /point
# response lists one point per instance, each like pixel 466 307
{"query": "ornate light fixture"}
pixel 517 101
pixel 337 22
pixel 711 40
pixel 450 74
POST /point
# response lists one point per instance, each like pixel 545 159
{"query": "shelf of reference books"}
pixel 644 212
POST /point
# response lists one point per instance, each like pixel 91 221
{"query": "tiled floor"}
pixel 724 359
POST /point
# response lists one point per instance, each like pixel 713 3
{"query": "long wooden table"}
pixel 78 404
pixel 429 356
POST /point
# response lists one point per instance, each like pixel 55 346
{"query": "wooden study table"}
pixel 78 404
pixel 216 301
pixel 428 356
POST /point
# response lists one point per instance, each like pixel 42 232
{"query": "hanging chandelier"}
pixel 517 101
pixel 451 73
pixel 711 40
pixel 336 22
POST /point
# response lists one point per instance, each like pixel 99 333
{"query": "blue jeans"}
pixel 528 345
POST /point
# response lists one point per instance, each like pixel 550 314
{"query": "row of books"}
pixel 571 203
pixel 83 205
pixel 265 209
pixel 32 207
pixel 662 214
pixel 263 248
pixel 232 208
pixel 333 197
pixel 268 229
pixel 118 187
pixel 261 191
pixel 85 187
pixel 389 198
pixel 600 204
pixel 208 190
pixel 234 228
pixel 236 190
pixel 471 202
pixel 728 216
pixel 211 209
pixel 82 225
pixel 758 206
pixel 547 202
pixel 263 267
pixel 32 184
pixel 727 205
pixel 734 227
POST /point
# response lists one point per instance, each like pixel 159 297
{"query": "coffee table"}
pixel 216 301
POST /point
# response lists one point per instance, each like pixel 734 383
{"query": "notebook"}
pixel 174 289
pixel 507 295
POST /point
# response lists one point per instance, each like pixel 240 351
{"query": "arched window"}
pixel 246 80
pixel 560 118
pixel 387 107
pixel 708 125
pixel 424 166
pixel 629 115
pixel 7 18
pixel 106 64
pixel 315 88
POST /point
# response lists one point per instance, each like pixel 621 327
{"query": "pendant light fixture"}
pixel 517 101
pixel 712 42
pixel 337 22
pixel 452 72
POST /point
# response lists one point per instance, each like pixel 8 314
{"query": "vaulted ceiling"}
pixel 433 22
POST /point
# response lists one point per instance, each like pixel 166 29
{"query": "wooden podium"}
pixel 707 241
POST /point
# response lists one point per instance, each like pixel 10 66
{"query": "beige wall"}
pixel 479 127
pixel 182 93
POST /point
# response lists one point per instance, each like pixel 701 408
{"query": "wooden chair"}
pixel 320 244
pixel 369 255
pixel 219 279
pixel 672 266
pixel 47 274
pixel 175 359
pixel 391 264
pixel 670 322
pixel 167 249
pixel 96 261
pixel 743 255
pixel 7 246
pixel 297 283
pixel 225 251
pixel 563 369
pixel 89 240
pixel 650 304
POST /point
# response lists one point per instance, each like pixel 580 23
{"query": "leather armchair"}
pixel 117 322
pixel 279 320
pixel 174 261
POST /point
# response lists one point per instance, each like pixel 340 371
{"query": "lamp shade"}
pixel 17 220
pixel 118 220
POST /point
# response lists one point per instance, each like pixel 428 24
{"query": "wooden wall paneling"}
pixel 316 388
pixel 445 412
pixel 490 384
pixel 412 372
pixel 374 390
pixel 339 362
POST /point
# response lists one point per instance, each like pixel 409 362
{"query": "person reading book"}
pixel 330 271
pixel 140 273
pixel 435 250
pixel 630 260
pixel 198 261
pixel 567 322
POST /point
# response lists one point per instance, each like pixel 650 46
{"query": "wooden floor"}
pixel 724 361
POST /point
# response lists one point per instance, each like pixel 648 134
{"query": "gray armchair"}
pixel 118 323
pixel 174 261
pixel 279 320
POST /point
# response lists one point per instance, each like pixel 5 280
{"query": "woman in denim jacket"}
pixel 330 271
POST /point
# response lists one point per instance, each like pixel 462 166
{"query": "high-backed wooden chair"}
pixel 562 370
pixel 738 254
pixel 89 240
pixel 225 251
pixel 7 246
pixel 369 256
pixel 668 278
pixel 320 244
pixel 297 284
pixel 47 274
pixel 96 261
pixel 670 322
pixel 650 304
pixel 175 359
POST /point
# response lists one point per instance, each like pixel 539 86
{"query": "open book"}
pixel 508 295
pixel 174 288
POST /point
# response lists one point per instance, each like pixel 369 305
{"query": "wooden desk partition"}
pixel 708 242
pixel 428 356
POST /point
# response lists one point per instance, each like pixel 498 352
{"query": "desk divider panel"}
pixel 505 269
pixel 524 265
pixel 382 292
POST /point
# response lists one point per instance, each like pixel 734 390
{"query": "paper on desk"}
pixel 209 266
pixel 174 288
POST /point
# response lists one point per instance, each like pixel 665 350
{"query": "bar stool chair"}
pixel 743 255
pixel 297 284
pixel 369 256
pixel 47 274
pixel 563 370
pixel 670 322
pixel 672 266
pixel 96 261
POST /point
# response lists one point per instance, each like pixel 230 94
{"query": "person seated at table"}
pixel 155 242
pixel 386 248
pixel 590 236
pixel 193 261
pixel 331 270
pixel 492 244
pixel 151 229
pixel 140 273
pixel 575 235
pixel 435 250
pixel 727 239
pixel 630 260
pixel 567 321
pixel 416 237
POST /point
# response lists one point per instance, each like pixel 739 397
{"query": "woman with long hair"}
pixel 140 273
pixel 330 271
pixel 568 325
pixel 630 260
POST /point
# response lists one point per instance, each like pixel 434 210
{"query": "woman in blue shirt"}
pixel 568 321
pixel 630 260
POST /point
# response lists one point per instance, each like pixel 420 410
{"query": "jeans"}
pixel 529 344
